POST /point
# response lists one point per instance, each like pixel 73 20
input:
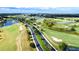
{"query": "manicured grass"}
pixel 41 42
pixel 71 39
pixel 10 33
pixel 77 29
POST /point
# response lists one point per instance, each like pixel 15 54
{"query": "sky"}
pixel 39 3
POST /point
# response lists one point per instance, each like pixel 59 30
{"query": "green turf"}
pixel 9 41
pixel 67 38
pixel 77 29
pixel 41 42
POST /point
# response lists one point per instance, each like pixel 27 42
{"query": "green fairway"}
pixel 77 29
pixel 70 39
pixel 9 35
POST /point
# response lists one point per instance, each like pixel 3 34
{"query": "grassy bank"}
pixel 9 34
pixel 41 42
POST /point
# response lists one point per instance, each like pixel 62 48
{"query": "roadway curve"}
pixel 34 37
pixel 36 42
pixel 45 41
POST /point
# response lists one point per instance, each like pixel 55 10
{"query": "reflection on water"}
pixel 72 49
pixel 9 22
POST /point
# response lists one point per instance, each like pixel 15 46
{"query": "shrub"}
pixel 72 29
pixel 62 46
pixel 32 45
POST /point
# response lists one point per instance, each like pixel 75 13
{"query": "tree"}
pixel 33 20
pixel 49 22
pixel 73 29
pixel 32 45
pixel 38 23
pixel 21 18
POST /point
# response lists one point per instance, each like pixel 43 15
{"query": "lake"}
pixel 9 22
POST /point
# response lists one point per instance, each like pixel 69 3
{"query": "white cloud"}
pixel 39 3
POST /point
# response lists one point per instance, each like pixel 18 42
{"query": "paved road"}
pixel 36 42
pixel 34 37
pixel 45 41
